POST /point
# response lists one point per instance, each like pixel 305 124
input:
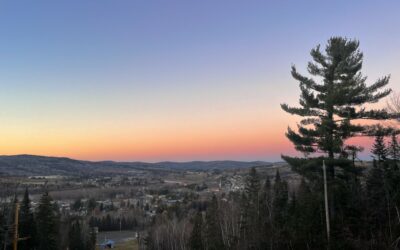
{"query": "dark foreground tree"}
pixel 379 149
pixel 251 223
pixel 81 236
pixel 266 213
pixel 196 237
pixel 76 241
pixel 394 149
pixel 47 224
pixel 213 226
pixel 330 110
pixel 27 225
pixel 92 239
pixel 280 211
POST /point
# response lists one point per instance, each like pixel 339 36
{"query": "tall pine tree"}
pixel 47 224
pixel 329 108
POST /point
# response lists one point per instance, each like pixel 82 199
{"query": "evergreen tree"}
pixel 394 148
pixel 77 205
pixel 251 217
pixel 379 148
pixel 27 224
pixel 306 225
pixel 76 241
pixel 376 203
pixel 213 233
pixel 2 228
pixel 92 239
pixel 5 222
pixel 91 205
pixel 266 214
pixel 330 107
pixel 196 237
pixel 47 224
pixel 279 210
pixel 280 195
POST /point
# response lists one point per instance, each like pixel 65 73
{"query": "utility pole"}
pixel 15 238
pixel 5 238
pixel 326 203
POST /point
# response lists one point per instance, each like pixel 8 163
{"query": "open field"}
pixel 129 245
pixel 123 239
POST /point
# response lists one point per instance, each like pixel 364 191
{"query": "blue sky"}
pixel 111 72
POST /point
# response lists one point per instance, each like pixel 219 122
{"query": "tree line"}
pixel 266 215
pixel 44 228
pixel 109 223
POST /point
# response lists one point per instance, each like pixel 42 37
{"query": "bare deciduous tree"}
pixel 171 233
pixel 393 104
pixel 230 214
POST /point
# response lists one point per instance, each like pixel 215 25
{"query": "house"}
pixel 108 244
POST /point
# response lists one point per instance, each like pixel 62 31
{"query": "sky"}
pixel 145 80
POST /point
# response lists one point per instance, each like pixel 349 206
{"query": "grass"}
pixel 129 245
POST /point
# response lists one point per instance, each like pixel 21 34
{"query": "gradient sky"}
pixel 170 80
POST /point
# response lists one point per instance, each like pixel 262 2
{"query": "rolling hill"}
pixel 29 165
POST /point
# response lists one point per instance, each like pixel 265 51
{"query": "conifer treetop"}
pixel 333 101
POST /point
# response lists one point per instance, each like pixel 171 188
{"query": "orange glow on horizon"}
pixel 157 147
pixel 258 142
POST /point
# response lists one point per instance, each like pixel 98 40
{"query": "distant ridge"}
pixel 31 165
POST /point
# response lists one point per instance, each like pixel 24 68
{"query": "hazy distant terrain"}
pixel 27 165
